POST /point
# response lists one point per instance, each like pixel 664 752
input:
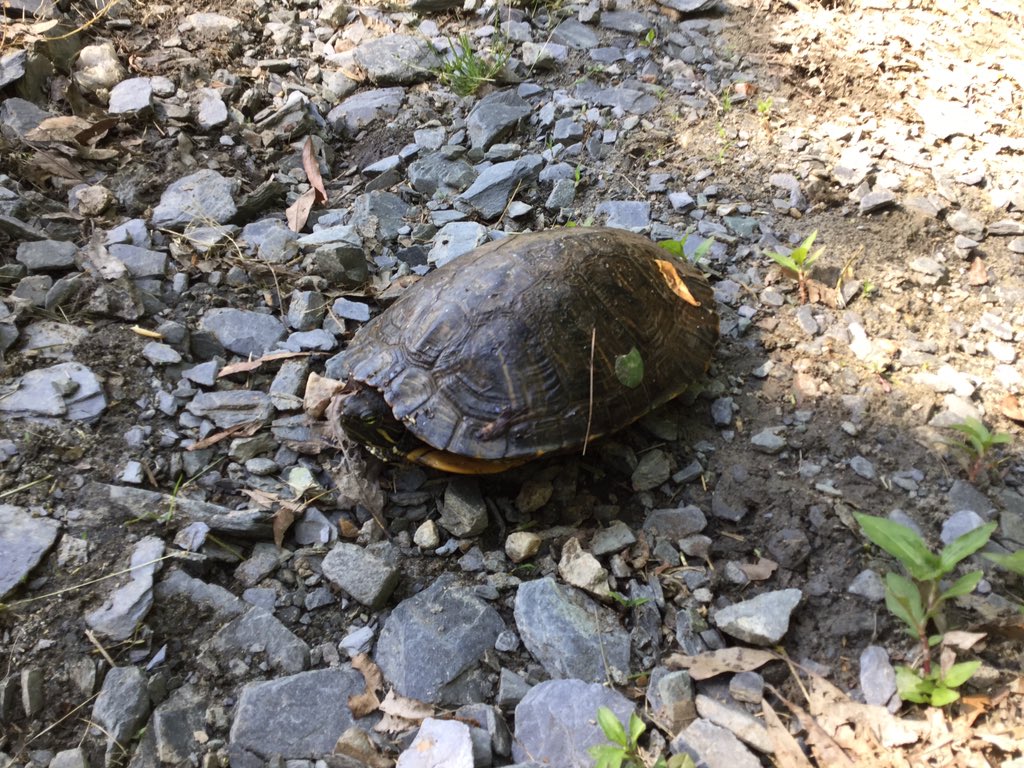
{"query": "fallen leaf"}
pixel 977 274
pixel 298 212
pixel 251 365
pixel 1012 408
pixel 705 665
pixel 312 168
pixel 963 640
pixel 96 131
pixel 283 519
pixel 356 743
pixel 245 429
pixel 320 390
pixel 401 713
pixel 364 703
pixel 61 128
pixel 787 750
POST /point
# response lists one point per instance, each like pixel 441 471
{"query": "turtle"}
pixel 533 344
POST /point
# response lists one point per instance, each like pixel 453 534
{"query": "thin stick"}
pixel 99 647
pixel 590 404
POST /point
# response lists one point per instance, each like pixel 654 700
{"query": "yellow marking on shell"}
pixel 675 282
pixel 460 465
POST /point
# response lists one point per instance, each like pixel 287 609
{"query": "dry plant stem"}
pixel 590 409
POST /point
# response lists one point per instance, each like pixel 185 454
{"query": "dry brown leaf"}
pixel 787 750
pixel 245 429
pixel 312 168
pixel 362 704
pixel 251 365
pixel 977 274
pixel 263 499
pixel 320 390
pixel 1012 408
pixel 762 570
pixel 283 519
pixel 401 713
pixel 298 212
pixel 713 663
pixel 397 287
pixel 61 128
pixel 956 638
pixel 347 529
pixel 827 751
pixel 356 743
pixel 96 131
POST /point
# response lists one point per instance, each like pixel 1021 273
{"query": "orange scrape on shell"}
pixel 675 282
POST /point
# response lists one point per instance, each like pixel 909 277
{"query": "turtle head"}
pixel 367 419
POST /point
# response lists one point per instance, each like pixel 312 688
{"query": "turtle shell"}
pixel 510 351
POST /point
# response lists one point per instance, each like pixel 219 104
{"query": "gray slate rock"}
pixel 689 6
pixel 18 116
pixel 490 192
pixel 243 331
pixel 122 704
pixel 464 512
pixel 441 173
pixel 229 408
pixel 128 605
pixel 66 390
pixel 876 200
pixel 634 100
pixel 285 653
pixel 200 199
pixel 24 541
pixel 762 620
pixel 299 717
pixel 495 117
pixel 571 635
pixel 170 736
pixel 877 676
pixel 575 34
pixel 712 746
pixel 676 523
pixel 455 239
pixel 396 60
pixel 365 108
pixel 555 722
pixel 432 639
pixel 131 96
pixel 211 111
pixel 363 575
pixel 738 721
pixel 40 255
pixel 634 215
pixel 140 262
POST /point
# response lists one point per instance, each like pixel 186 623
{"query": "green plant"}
pixel 727 100
pixel 799 261
pixel 1012 562
pixel 978 445
pixel 649 38
pixel 867 289
pixel 628 602
pixel 764 106
pixel 678 247
pixel 465 70
pixel 918 601
pixel 623 751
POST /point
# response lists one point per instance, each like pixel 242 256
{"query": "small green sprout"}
pixel 979 445
pixel 799 261
pixel 465 70
pixel 727 100
pixel 918 601
pixel 764 106
pixel 628 602
pixel 649 38
pixel 623 751
pixel 678 247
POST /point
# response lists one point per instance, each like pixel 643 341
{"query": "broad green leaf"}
pixel 1013 562
pixel 902 543
pixel 965 546
pixel 636 728
pixel 675 247
pixel 785 262
pixel 911 687
pixel 942 696
pixel 934 640
pixel 607 756
pixel 903 600
pixel 703 248
pixel 629 368
pixel 963 586
pixel 682 760
pixel 611 726
pixel 1001 438
pixel 960 673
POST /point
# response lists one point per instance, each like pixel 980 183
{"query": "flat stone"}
pixel 676 523
pixel 243 331
pixel 433 640
pixel 363 575
pixel 737 721
pixel 396 59
pixel 769 441
pixel 491 191
pixel 876 200
pixel 40 255
pixel 571 635
pixel 869 585
pixel 713 746
pixel 288 717
pixel 634 215
pixel 210 109
pixel 630 99
pixel 365 108
pixel 653 469
pixel 24 541
pixel 575 34
pixel 122 705
pixel 440 743
pixel 66 390
pixel 454 240
pixel 229 408
pixel 555 722
pixel 616 537
pixel 198 199
pixel 126 607
pixel 140 262
pixel 464 512
pixel 959 524
pixel 495 117
pixel 762 620
pixel 131 96
pixel 258 629
pixel 877 676
pixel 19 116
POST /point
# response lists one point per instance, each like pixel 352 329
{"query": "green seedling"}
pixel 979 446
pixel 678 248
pixel 764 106
pixel 918 601
pixel 937 688
pixel 623 751
pixel 727 100
pixel 649 39
pixel 1013 562
pixel 465 70
pixel 799 262
pixel 628 602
